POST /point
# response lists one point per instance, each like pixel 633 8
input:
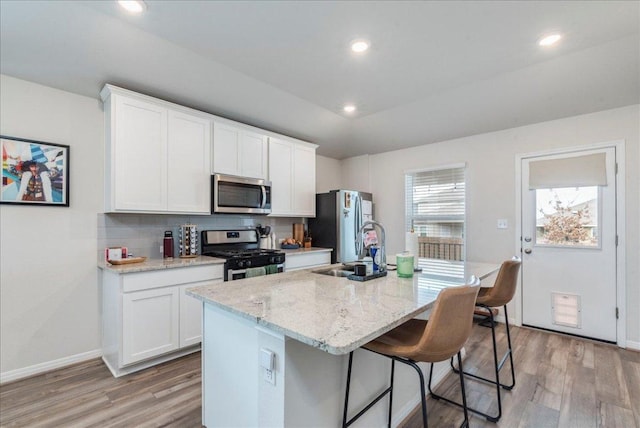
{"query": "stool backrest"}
pixel 449 325
pixel 505 286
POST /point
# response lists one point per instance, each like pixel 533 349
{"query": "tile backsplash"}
pixel 142 234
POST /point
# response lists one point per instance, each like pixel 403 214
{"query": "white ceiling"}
pixel 436 70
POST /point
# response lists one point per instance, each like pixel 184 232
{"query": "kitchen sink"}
pixel 343 271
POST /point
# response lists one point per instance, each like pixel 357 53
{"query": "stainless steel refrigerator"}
pixel 339 216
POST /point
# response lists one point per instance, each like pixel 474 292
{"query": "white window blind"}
pixel 435 202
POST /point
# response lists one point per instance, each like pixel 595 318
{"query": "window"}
pixel 435 207
pixel 567 217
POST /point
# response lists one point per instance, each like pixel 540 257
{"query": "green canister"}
pixel 404 261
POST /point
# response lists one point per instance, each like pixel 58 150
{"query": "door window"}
pixel 568 217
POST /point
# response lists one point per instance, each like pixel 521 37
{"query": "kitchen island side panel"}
pixel 309 383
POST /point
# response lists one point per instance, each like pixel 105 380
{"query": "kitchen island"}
pixel 309 322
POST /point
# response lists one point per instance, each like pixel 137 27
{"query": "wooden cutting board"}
pixel 127 261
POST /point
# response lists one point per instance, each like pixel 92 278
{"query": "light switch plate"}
pixel 267 359
pixel 503 223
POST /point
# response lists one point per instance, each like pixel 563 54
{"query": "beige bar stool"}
pixel 493 297
pixel 443 336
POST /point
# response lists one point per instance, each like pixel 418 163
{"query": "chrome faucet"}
pixel 383 255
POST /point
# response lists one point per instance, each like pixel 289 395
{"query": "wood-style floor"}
pixel 561 382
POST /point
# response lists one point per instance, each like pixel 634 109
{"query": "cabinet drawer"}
pixel 306 260
pixel 167 277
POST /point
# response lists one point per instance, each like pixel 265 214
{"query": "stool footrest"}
pixel 368 406
pixel 484 312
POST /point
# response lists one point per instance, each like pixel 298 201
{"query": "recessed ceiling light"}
pixel 133 6
pixel 549 40
pixel 349 108
pixel 359 46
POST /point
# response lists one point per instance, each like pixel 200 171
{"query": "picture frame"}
pixel 34 172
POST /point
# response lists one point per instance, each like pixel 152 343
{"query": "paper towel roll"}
pixel 411 244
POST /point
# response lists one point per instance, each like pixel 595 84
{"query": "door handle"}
pixel 527 239
pixel 264 196
pixel 527 251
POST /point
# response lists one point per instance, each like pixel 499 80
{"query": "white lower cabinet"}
pixel 149 323
pixel 148 318
pixel 306 259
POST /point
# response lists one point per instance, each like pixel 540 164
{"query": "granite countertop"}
pixel 336 315
pixel 305 250
pixel 158 264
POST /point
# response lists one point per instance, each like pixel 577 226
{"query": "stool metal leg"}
pixel 389 390
pixel 497 364
pixel 465 423
pixel 346 395
pixel 423 392
pixel 464 406
pixel 393 362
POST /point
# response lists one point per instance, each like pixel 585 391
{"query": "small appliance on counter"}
pixel 265 237
pixel 188 240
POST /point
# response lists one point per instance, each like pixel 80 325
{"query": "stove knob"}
pixel 240 264
pixel 272 260
pixel 248 263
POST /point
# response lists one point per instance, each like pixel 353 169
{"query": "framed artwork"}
pixel 34 172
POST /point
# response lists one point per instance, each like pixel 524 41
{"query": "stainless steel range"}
pixel 240 249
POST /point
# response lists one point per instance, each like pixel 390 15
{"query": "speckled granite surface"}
pixel 158 264
pixel 333 314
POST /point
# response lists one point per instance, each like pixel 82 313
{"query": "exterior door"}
pixel 569 243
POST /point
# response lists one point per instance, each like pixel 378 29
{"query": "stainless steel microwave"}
pixel 240 195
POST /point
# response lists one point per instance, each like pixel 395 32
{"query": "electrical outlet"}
pixel 161 250
pixel 270 376
pixel 503 223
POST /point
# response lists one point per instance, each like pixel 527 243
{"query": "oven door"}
pixel 239 195
pixel 233 274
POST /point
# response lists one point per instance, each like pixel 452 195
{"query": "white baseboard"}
pixel 49 365
pixel 633 345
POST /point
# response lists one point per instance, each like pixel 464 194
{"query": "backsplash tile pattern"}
pixel 142 234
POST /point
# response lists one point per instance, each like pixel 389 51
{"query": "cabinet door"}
pixel 150 323
pixel 253 155
pixel 304 181
pixel 188 164
pixel 225 149
pixel 140 156
pixel 281 175
pixel 191 316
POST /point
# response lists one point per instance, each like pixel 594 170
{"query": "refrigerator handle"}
pixel 358 224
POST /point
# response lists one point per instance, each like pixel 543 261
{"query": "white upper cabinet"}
pixel 138 147
pixel 304 181
pixel 238 151
pixel 157 155
pixel 292 172
pixel 189 166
